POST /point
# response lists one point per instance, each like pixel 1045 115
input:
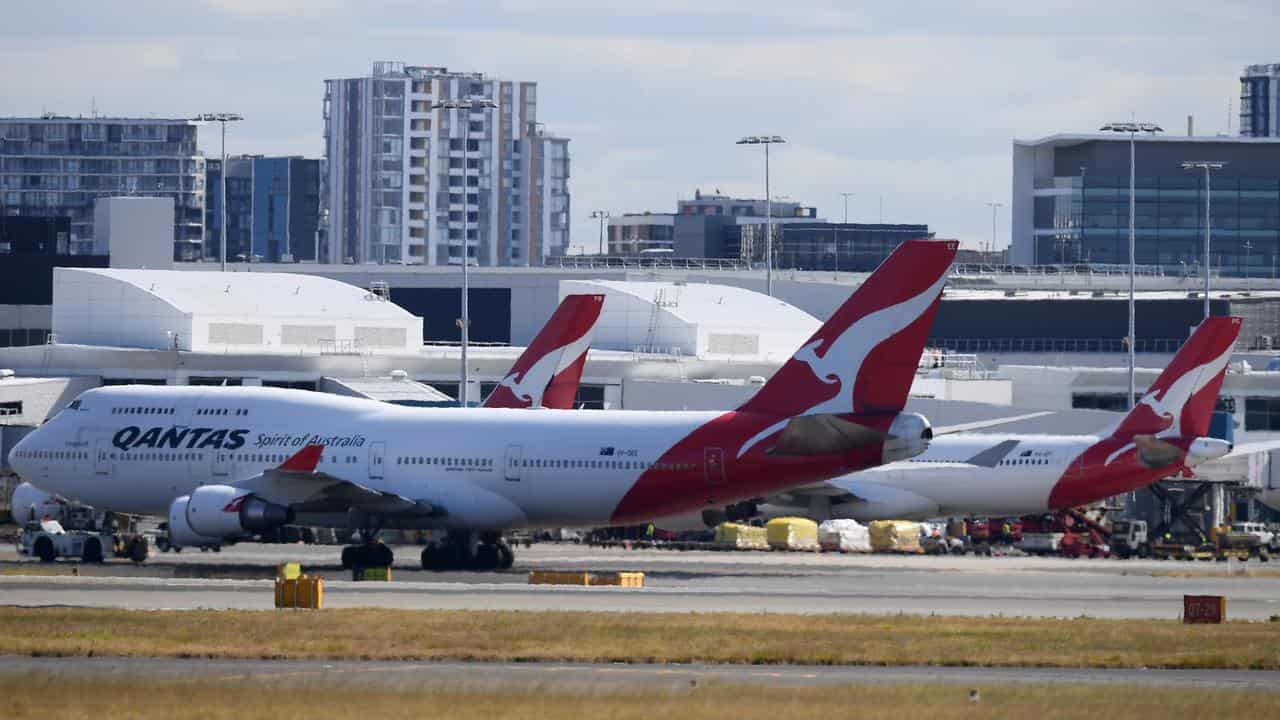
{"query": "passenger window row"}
pixel 222 411
pixel 602 464
pixel 141 411
pixel 54 454
pixel 462 462
pixel 156 457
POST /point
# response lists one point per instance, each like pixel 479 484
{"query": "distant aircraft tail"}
pixel 863 359
pixel 1180 402
pixel 548 372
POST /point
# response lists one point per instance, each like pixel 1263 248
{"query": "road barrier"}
pixel 618 579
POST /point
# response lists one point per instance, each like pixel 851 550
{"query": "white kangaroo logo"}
pixel 1168 405
pixel 533 382
pixel 844 355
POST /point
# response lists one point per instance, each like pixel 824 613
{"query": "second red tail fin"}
pixel 548 372
pixel 1180 402
pixel 864 357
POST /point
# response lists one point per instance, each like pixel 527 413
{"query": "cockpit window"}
pixel 75 405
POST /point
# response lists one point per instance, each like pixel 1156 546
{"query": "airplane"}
pixel 225 462
pixel 1003 475
pixel 546 374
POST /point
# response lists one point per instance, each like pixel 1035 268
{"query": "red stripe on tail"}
pixel 547 373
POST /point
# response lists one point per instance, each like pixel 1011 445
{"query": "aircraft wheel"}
pixel 138 550
pixel 488 557
pixel 92 551
pixel 506 556
pixel 44 550
pixel 348 557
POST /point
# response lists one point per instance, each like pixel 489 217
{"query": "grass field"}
pixel 637 637
pixel 37 696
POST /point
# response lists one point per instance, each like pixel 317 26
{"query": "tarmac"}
pixel 239 578
pixel 408 676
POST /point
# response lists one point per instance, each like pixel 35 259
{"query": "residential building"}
pixel 407 177
pixel 57 166
pixel 1071 202
pixel 273 208
pixel 1260 101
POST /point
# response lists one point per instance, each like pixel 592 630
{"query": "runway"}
pixel 401 676
pixel 675 582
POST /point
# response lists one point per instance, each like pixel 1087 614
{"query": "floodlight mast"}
pixel 1132 128
pixel 1207 166
pixel 766 141
pixel 464 323
pixel 222 119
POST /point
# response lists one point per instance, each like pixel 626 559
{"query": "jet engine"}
pixel 181 534
pixel 909 435
pixel 225 511
pixel 1204 448
pixel 29 503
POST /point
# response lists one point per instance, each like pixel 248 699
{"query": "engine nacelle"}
pixel 224 511
pixel 181 534
pixel 1203 449
pixel 909 435
pixel 29 503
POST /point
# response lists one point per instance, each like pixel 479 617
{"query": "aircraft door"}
pixel 102 458
pixel 713 462
pixel 515 453
pixel 377 452
pixel 221 463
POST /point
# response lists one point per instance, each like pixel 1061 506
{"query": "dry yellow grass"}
pixel 39 696
pixel 636 637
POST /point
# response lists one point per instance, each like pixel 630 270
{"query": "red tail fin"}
pixel 1180 402
pixel 547 373
pixel 864 358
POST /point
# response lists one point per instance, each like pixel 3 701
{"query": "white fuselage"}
pixel 941 481
pixel 136 449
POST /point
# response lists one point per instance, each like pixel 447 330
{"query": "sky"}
pixel 913 104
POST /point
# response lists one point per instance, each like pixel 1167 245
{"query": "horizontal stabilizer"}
pixel 984 424
pixel 992 456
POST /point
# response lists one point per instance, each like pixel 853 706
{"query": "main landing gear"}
pixel 367 555
pixel 462 550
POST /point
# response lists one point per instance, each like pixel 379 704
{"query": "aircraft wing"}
pixel 1253 447
pixel 298 483
pixel 984 424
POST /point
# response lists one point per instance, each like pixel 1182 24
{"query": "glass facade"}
pixel 849 247
pixel 1086 220
pixel 57 166
pixel 1071 203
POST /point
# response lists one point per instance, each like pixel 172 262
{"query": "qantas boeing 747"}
pixel 223 462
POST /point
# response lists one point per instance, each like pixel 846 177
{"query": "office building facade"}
pixel 634 233
pixel 406 178
pixel 848 247
pixel 1071 202
pixel 1260 101
pixel 58 166
pixel 273 208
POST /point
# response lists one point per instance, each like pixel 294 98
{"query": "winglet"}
pixel 304 461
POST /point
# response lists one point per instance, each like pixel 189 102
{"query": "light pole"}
pixel 846 196
pixel 600 215
pixel 1132 128
pixel 995 208
pixel 1207 166
pixel 464 323
pixel 222 119
pixel 766 141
